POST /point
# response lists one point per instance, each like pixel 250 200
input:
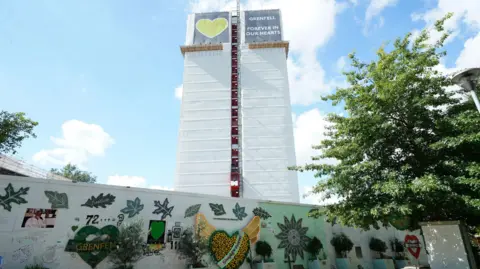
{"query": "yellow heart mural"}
pixel 211 28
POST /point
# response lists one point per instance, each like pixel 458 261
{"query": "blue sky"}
pixel 100 76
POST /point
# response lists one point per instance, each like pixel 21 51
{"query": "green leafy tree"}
pixel 408 148
pixel 72 172
pixel 14 128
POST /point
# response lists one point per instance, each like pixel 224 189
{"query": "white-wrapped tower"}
pixel 236 133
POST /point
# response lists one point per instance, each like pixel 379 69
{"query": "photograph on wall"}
pixel 262 26
pixel 156 234
pixel 212 28
pixel 39 218
pixel 177 231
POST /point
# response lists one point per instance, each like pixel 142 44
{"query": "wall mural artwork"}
pixel 192 210
pixel 413 245
pixel 174 235
pixel 39 218
pixel 12 196
pixel 152 249
pixel 133 207
pixel 162 208
pixel 58 200
pixel 292 237
pixel 120 217
pixel 239 212
pixel 22 254
pixel 95 250
pixel 230 251
pixel 217 209
pixel 262 213
pixel 400 223
pixel 156 233
pixel 100 201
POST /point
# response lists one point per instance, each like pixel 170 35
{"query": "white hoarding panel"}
pixel 446 246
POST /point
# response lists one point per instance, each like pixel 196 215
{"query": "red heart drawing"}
pixel 413 245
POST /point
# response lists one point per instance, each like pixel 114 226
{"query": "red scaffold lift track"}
pixel 235 174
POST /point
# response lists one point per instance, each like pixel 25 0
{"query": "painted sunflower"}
pixel 293 237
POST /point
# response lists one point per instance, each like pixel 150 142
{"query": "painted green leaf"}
pixel 58 200
pixel 192 210
pixel 239 212
pixel 100 201
pixel 162 208
pixel 217 209
pixel 133 207
pixel 12 196
pixel 261 213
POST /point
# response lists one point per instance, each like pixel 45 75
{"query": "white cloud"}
pixel 309 130
pixel 376 7
pixel 470 55
pixel 307 77
pixel 133 181
pixel 179 92
pixel 80 141
pixel 307 81
pixel 341 63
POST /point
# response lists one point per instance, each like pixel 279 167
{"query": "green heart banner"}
pixel 95 250
pixel 212 28
pixel 157 232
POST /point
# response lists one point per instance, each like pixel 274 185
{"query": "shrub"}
pixel 342 244
pixel 193 246
pixel 129 245
pixel 314 247
pixel 378 245
pixel 263 249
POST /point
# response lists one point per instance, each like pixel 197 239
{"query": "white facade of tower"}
pixel 203 151
pixel 268 143
pixel 266 131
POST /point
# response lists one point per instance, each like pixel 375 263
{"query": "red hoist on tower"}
pixel 236 171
